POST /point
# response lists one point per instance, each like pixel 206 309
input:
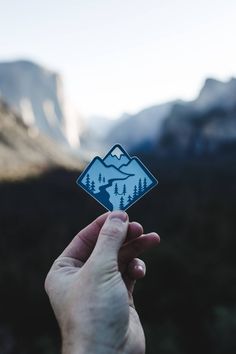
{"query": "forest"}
pixel 186 301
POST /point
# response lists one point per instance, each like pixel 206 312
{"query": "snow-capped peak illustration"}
pixel 117 152
pixel 117 157
pixel 117 181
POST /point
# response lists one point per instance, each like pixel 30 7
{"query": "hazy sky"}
pixel 123 55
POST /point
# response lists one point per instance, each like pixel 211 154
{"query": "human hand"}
pixel 90 286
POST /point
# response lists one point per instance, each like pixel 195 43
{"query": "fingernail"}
pixel 120 215
pixel 140 268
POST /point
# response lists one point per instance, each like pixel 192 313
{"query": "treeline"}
pixel 91 185
pixel 186 301
pixel 138 191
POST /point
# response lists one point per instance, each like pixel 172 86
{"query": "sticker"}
pixel 117 181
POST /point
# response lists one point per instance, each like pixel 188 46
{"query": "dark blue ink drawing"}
pixel 117 181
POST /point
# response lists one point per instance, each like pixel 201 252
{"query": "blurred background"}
pixel 158 77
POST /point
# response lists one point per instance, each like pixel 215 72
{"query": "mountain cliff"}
pixel 216 94
pixel 198 126
pixel 24 152
pixel 37 95
pixel 204 125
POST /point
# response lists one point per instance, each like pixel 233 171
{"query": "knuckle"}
pixel 48 282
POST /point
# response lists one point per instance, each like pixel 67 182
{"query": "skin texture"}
pixel 90 287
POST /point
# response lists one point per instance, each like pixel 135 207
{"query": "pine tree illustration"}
pixel 129 200
pixel 87 183
pixel 121 203
pixel 100 178
pixel 92 187
pixel 116 189
pixel 144 183
pixel 124 189
pixel 140 186
pixel 104 180
pixel 135 192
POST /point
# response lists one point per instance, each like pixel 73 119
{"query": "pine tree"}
pixel 129 200
pixel 140 186
pixel 135 192
pixel 116 189
pixel 92 187
pixel 124 189
pixel 121 203
pixel 100 178
pixel 144 183
pixel 87 183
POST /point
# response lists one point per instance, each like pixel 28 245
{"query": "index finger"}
pixel 84 242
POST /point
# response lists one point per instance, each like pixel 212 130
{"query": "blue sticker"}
pixel 117 181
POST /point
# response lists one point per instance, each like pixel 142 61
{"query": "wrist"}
pixel 80 340
pixel 78 347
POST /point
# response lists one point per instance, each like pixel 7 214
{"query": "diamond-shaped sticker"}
pixel 117 181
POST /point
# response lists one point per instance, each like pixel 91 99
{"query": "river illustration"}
pixel 103 196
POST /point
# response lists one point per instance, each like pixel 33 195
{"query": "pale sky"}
pixel 120 56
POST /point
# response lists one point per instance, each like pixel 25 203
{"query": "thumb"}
pixel 112 235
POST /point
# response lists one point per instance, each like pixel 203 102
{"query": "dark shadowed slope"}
pixel 187 299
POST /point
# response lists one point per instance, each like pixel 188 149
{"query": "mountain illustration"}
pixel 116 157
pixel 117 181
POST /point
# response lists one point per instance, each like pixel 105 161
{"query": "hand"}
pixel 90 287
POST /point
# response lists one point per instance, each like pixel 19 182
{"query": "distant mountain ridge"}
pixel 36 94
pixel 216 94
pixel 203 126
pixel 197 126
pixel 131 129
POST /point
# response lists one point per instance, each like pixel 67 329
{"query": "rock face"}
pixel 197 127
pixel 204 125
pixel 24 153
pixel 216 94
pixel 36 94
